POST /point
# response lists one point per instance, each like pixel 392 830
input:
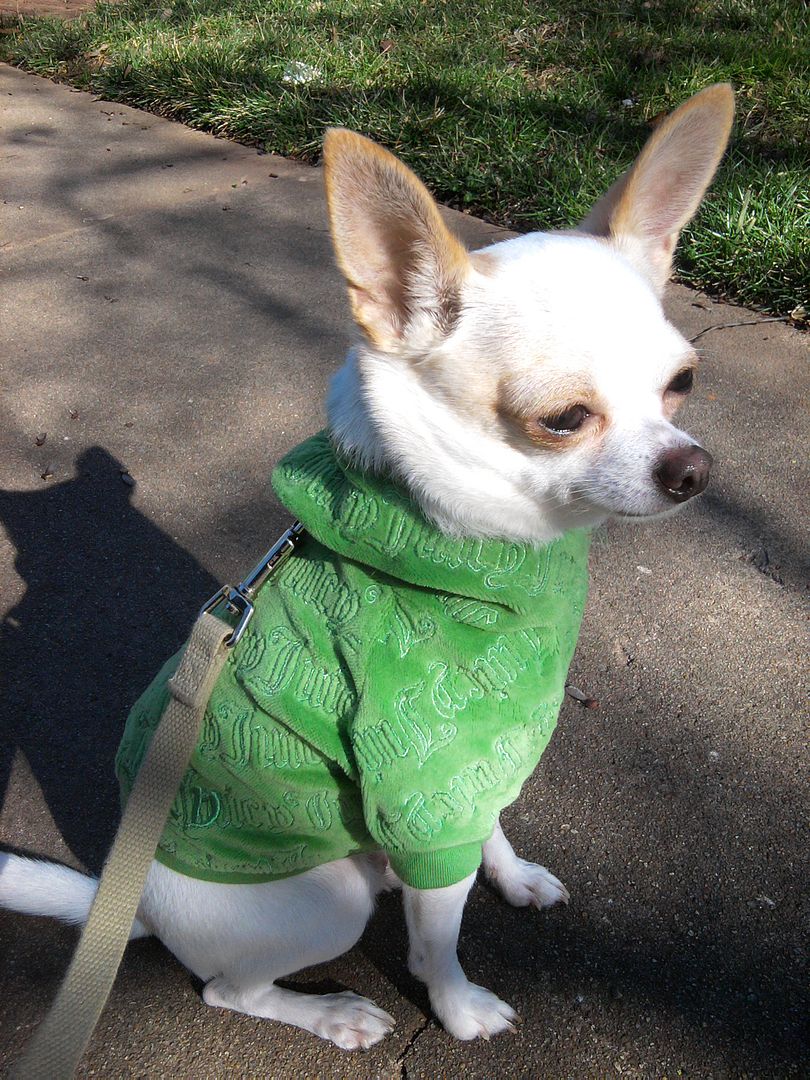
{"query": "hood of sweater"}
pixel 371 520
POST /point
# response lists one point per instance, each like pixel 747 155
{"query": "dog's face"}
pixel 531 387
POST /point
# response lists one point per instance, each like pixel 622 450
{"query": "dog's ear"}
pixel 646 208
pixel 403 267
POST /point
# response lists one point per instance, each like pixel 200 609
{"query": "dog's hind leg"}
pixel 346 1019
pixel 241 938
pixel 520 882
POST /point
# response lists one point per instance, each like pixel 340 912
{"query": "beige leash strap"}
pixel 58 1045
pixel 61 1039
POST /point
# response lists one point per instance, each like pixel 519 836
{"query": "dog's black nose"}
pixel 683 472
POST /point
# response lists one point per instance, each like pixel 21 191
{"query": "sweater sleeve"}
pixel 429 790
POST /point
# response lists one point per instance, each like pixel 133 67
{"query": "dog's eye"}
pixel 566 422
pixel 682 383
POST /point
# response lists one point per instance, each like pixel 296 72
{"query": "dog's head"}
pixel 528 388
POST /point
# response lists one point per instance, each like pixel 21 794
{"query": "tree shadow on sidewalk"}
pixel 108 597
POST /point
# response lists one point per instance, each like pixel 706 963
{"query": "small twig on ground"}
pixel 748 322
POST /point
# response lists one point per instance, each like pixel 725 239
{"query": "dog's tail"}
pixel 33 887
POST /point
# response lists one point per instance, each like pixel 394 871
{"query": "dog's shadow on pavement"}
pixel 108 596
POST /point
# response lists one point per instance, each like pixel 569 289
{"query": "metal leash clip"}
pixel 237 600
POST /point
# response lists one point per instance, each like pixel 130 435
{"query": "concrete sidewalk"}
pixel 170 315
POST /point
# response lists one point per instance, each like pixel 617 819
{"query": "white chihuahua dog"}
pixel 515 393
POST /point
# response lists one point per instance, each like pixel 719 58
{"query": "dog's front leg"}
pixel 520 882
pixel 434 919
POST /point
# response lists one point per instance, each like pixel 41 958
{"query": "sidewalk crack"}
pixel 409 1045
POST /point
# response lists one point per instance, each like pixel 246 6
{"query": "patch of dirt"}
pixel 67 9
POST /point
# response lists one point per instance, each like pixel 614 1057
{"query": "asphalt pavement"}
pixel 169 316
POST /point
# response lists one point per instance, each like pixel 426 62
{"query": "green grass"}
pixel 522 113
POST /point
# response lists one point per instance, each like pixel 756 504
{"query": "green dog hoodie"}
pixel 394 689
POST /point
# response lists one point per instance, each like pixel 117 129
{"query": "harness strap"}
pixel 61 1039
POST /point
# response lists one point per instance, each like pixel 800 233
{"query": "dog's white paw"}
pixel 351 1022
pixel 527 883
pixel 471 1012
pixel 346 1019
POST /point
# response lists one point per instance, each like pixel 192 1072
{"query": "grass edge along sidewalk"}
pixel 518 116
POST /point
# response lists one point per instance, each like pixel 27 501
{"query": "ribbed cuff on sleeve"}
pixel 436 869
